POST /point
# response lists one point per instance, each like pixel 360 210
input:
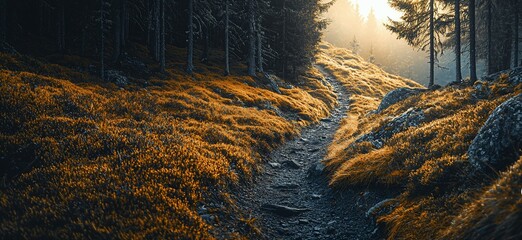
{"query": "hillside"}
pixel 84 158
pixel 366 83
pixel 184 119
pixel 171 155
pixel 291 198
pixel 420 147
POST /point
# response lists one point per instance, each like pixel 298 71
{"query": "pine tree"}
pixel 162 36
pixel 157 29
pixel 233 34
pixel 501 18
pixel 206 20
pixel 458 34
pixel 489 6
pixel 284 52
pixel 298 24
pixel 251 39
pixel 472 42
pixel 206 43
pixel 280 34
pixel 372 57
pixel 3 20
pixel 516 26
pixel 60 27
pixel 118 28
pixel 227 38
pixel 432 43
pixel 190 43
pixel 102 38
pixel 259 38
pixel 354 44
pixel 423 26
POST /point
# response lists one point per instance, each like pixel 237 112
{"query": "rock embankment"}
pixel 499 141
pixel 396 96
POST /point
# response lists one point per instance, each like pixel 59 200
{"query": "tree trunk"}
pixel 149 24
pixel 84 40
pixel 117 31
pixel 458 49
pixel 507 47
pixel 252 40
pixel 162 40
pixel 3 20
pixel 516 34
pixel 259 45
pixel 206 47
pixel 41 13
pixel 157 30
pixel 227 54
pixel 124 25
pixel 432 44
pixel 284 40
pixel 102 41
pixel 294 75
pixel 190 47
pixel 61 27
pixel 490 37
pixel 472 42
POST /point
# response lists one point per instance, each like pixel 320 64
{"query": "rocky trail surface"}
pixel 291 198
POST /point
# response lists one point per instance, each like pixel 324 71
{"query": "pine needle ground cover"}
pixel 84 158
pixel 438 197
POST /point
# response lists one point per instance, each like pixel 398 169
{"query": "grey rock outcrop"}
pixel 117 77
pixel 499 141
pixel 514 76
pixel 412 117
pixel 482 90
pixel 397 95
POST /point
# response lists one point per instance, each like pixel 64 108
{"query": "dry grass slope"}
pixel 439 200
pixel 367 85
pixel 98 161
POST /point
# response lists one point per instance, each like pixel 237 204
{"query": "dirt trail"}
pixel 291 200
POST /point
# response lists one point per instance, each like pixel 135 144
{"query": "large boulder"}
pixel 117 77
pixel 482 90
pixel 397 95
pixel 514 76
pixel 412 117
pixel 499 141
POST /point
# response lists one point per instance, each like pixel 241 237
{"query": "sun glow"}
pixel 381 8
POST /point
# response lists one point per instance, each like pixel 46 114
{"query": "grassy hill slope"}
pixel 83 158
pixel 438 197
pixel 367 85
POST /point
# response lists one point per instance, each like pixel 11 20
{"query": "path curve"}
pixel 289 200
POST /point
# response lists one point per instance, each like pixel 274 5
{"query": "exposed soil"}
pixel 291 198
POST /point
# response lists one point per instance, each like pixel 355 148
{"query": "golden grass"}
pixel 367 85
pixel 361 78
pixel 495 213
pixel 440 198
pixel 107 162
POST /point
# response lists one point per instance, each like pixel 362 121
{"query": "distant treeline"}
pixel 489 27
pixel 280 35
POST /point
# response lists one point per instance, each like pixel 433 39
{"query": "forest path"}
pixel 291 198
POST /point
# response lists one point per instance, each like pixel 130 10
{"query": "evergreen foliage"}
pixel 281 35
